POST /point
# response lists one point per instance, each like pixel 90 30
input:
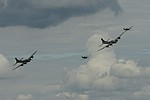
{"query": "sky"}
pixel 64 30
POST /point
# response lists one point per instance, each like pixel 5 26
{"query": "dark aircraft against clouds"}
pixel 107 44
pixel 23 61
pixel 127 29
pixel 84 57
pixel 111 42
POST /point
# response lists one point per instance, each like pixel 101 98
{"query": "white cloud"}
pixel 85 77
pixel 72 96
pixel 4 65
pixel 82 97
pixel 6 71
pixel 125 69
pixel 104 72
pixel 24 97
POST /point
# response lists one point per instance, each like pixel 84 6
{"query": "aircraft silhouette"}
pixel 127 29
pixel 84 57
pixel 107 46
pixel 23 61
pixel 111 42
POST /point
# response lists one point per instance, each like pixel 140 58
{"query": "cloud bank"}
pixel 3 3
pixel 46 13
pixel 6 72
pixel 106 77
pixel 24 97
pixel 4 67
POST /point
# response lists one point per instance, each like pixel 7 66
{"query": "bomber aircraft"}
pixel 111 42
pixel 23 61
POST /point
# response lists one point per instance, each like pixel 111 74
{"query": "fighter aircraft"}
pixel 127 29
pixel 23 61
pixel 84 57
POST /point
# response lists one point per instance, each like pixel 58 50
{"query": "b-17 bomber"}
pixel 114 41
pixel 23 61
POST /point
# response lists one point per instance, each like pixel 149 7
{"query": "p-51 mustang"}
pixel 84 57
pixel 23 61
pixel 111 42
pixel 127 29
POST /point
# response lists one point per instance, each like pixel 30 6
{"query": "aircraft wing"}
pixel 15 64
pixel 100 45
pixel 130 27
pixel 32 55
pixel 127 29
pixel 122 33
pixel 104 47
pixel 18 66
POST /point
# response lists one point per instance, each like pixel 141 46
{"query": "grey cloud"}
pixel 3 3
pixel 46 13
pixel 6 72
pixel 24 97
pixel 4 68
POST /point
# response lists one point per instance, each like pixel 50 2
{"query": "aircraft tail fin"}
pixel 16 60
pixel 103 41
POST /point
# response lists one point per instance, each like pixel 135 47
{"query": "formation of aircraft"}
pixel 114 41
pixel 107 44
pixel 23 61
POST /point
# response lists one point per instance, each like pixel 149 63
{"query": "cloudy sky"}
pixel 64 30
